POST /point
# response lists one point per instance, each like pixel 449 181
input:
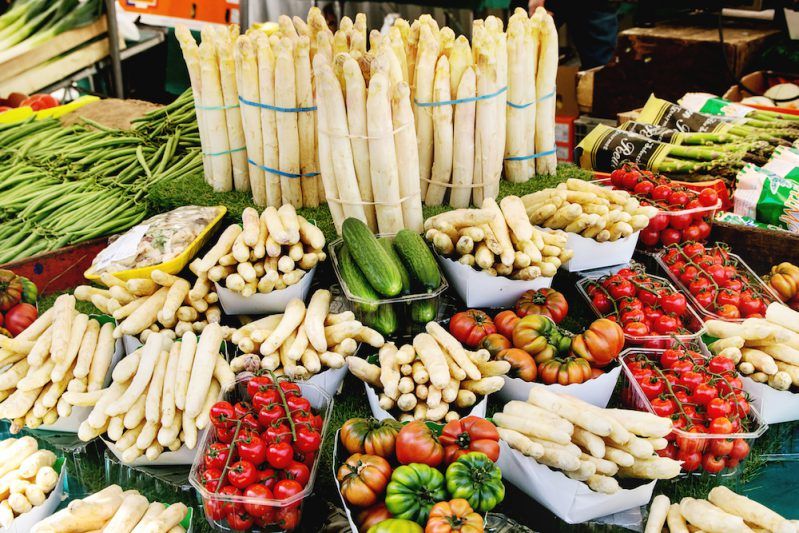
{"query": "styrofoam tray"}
pixel 589 253
pixel 25 522
pixel 572 501
pixel 776 406
pixel 595 391
pixel 478 289
pixel 234 303
pixel 329 380
pixel 71 423
pixel 479 408
pixel 183 456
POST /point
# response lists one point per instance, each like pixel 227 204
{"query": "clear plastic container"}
pixel 399 315
pixel 691 319
pixel 634 397
pixel 767 294
pixel 321 403
pixel 678 219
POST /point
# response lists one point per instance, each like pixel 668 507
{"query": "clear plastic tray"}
pixel 633 397
pixel 740 265
pixel 694 321
pixel 320 401
pixel 368 311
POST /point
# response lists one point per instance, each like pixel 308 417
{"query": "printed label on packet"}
pixel 652 131
pixel 713 105
pixel 768 198
pixel 605 149
pixel 675 117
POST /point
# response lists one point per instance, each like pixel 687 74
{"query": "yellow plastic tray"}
pixel 22 113
pixel 174 265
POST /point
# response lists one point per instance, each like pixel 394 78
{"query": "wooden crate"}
pixel 59 270
pixel 760 248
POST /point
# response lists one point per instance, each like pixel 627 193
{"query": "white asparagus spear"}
pixel 266 82
pixel 305 122
pixel 327 173
pixel 516 141
pixel 485 119
pixel 463 143
pixel 288 140
pixel 530 69
pixel 407 157
pixel 213 107
pixel 230 94
pixel 499 103
pixel 544 86
pixel 442 135
pixel 191 55
pixel 425 72
pixel 247 73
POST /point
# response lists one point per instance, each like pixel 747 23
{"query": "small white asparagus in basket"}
pixel 590 210
pixel 722 512
pixel 27 476
pixel 434 378
pixel 34 385
pixel 499 240
pixel 302 341
pixel 160 394
pixel 267 252
pixel 764 349
pixel 113 509
pixel 167 303
pixel 585 442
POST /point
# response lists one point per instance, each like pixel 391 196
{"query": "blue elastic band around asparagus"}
pixel 214 154
pixel 280 172
pixel 216 107
pixel 461 100
pixel 527 157
pixel 528 104
pixel 276 108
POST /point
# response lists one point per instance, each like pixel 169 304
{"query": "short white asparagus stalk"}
pixel 355 90
pixel 545 85
pixel 213 107
pixel 463 144
pixel 305 122
pixel 407 157
pixel 382 156
pixel 266 82
pixel 235 131
pixel 247 72
pixel 425 72
pixel 288 140
pixel 442 135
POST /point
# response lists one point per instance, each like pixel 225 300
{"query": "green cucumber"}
pixel 355 281
pixel 371 258
pixel 388 246
pixel 418 258
pixel 424 311
pixel 383 320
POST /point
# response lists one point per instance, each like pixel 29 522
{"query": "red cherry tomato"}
pixel 670 236
pixel 690 460
pixel 285 489
pixel 222 415
pixel 708 197
pixel 658 223
pixel 712 464
pixel 261 492
pixel 279 454
pixel 728 311
pixel 649 237
pixel 721 447
pixel 680 221
pixel 740 449
pixel 240 521
pixel 211 478
pixel 242 474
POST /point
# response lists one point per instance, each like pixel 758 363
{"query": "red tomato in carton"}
pixel 20 317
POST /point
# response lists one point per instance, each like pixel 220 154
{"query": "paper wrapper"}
pixel 25 522
pixel 234 303
pixel 589 254
pixel 595 391
pixel 479 408
pixel 775 406
pixel 478 289
pixel 329 380
pixel 183 456
pixel 572 501
pixel 71 423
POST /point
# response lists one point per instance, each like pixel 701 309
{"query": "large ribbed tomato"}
pixel 10 290
pixel 470 434
pixel 547 302
pixel 600 344
pixel 416 443
pixel 471 326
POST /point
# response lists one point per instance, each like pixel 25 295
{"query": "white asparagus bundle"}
pixel 230 93
pixel 213 108
pixel 266 81
pixel 244 54
pixel 546 72
pixel 442 135
pixel 191 55
pixel 288 140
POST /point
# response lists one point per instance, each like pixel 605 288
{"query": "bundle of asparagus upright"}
pixel 255 108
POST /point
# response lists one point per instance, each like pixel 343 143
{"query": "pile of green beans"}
pixel 65 185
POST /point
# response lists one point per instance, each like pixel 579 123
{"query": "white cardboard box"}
pixel 775 406
pixel 595 391
pixel 478 289
pixel 25 522
pixel 589 253
pixel 234 303
pixel 329 380
pixel 183 456
pixel 572 501
pixel 479 408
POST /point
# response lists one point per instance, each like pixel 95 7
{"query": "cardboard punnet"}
pixel 183 456
pixel 479 409
pixel 329 380
pixel 589 253
pixel 775 406
pixel 25 522
pixel 234 303
pixel 595 391
pixel 572 501
pixel 478 289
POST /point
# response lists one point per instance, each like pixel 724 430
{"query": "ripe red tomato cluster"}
pixel 644 305
pixel 264 449
pixel 685 214
pixel 716 281
pixel 703 397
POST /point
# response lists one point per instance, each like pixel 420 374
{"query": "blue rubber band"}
pixel 528 104
pixel 280 172
pixel 214 154
pixel 215 107
pixel 527 157
pixel 276 108
pixel 461 100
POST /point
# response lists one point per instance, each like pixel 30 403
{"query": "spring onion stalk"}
pixel 545 84
pixel 442 135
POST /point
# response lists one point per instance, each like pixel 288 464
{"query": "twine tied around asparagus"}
pixel 276 108
pixel 528 104
pixel 363 202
